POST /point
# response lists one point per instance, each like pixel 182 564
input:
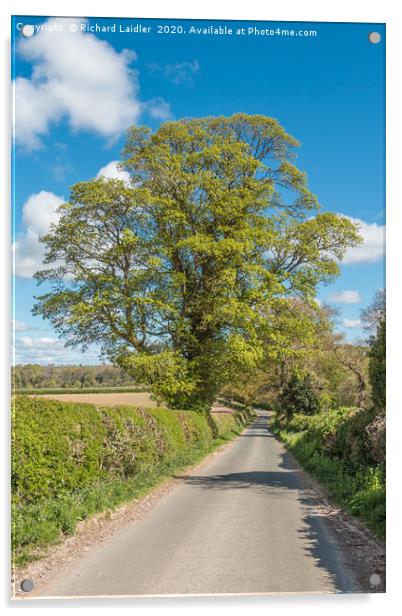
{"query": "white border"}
pixel 286 10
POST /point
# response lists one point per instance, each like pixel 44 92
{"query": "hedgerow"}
pixel 337 447
pixel 71 460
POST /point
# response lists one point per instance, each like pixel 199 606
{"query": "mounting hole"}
pixel 374 37
pixel 27 585
pixel 28 30
pixel 375 579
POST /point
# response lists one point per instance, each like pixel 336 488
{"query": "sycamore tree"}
pixel 183 277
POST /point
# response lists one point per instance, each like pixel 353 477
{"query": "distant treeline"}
pixel 34 376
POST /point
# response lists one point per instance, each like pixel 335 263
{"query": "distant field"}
pixel 106 399
pixel 28 391
pixel 113 397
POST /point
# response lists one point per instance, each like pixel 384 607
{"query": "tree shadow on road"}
pixel 288 482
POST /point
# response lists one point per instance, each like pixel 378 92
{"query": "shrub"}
pixel 344 449
pixel 299 396
pixel 59 447
pixel 227 422
pixel 349 438
pixel 377 370
pixel 376 438
pixel 54 450
pixel 258 404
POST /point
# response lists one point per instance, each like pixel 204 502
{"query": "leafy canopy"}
pixel 374 318
pixel 178 275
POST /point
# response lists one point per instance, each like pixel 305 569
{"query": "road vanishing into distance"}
pixel 245 521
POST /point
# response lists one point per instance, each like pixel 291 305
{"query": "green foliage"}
pixel 187 277
pixel 350 440
pixel 338 385
pixel 299 396
pixel 227 423
pixel 53 450
pixel 33 376
pixel 377 367
pixel 70 461
pixel 305 343
pixel 336 447
pixel 167 372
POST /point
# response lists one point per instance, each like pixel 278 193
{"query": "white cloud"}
pixel 346 297
pixel 19 326
pixel 180 72
pixel 373 247
pixel 352 323
pixel 48 350
pixel 39 212
pixel 38 343
pixel 158 109
pixel 78 77
pixel 112 172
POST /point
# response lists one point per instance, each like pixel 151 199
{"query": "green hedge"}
pixel 261 405
pixel 336 447
pixel 71 460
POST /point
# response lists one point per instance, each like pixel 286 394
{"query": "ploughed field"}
pixel 141 399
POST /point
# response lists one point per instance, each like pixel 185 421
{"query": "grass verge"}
pixel 352 481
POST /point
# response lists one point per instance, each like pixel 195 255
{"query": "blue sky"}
pixel 77 92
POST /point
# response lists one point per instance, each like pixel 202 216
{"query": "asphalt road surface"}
pixel 245 522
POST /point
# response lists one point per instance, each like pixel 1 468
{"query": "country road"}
pixel 246 521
